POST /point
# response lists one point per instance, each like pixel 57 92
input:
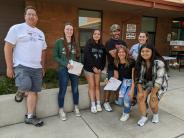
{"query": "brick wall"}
pixel 53 15
pixel 163 28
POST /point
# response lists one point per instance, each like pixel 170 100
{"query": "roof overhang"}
pixel 156 4
pixel 156 8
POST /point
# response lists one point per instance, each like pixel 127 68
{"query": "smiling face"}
pixel 121 53
pixel 31 17
pixel 146 53
pixel 142 38
pixel 116 34
pixel 96 36
pixel 68 30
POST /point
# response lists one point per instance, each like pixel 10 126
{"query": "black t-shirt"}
pixel 110 45
pixel 125 71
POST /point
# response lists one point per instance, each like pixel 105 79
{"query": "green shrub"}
pixel 50 79
pixel 7 86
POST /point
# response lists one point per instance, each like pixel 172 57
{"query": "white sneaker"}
pixel 107 107
pixel 62 115
pixel 155 118
pixel 142 121
pixel 124 117
pixel 98 107
pixel 77 112
pixel 93 109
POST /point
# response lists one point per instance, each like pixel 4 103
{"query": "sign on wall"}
pixel 131 31
pixel 130 35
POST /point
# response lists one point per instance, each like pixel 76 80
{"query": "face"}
pixel 31 17
pixel 121 53
pixel 142 38
pixel 113 53
pixel 68 30
pixel 146 53
pixel 116 34
pixel 96 35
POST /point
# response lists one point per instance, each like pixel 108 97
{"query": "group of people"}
pixel 141 69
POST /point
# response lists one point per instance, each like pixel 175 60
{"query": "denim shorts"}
pixel 28 79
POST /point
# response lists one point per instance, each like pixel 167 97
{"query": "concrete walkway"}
pixel 107 125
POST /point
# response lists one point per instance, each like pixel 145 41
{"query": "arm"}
pixel 8 52
pixel 61 59
pixel 133 84
pixel 103 60
pixel 139 87
pixel 43 61
pixel 116 75
pixel 89 57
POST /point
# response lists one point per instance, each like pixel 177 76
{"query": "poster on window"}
pixel 130 35
pixel 131 28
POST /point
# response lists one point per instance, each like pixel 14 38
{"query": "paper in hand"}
pixel 113 84
pixel 77 68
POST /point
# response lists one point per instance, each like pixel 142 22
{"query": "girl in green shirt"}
pixel 65 53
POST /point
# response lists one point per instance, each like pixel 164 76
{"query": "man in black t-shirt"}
pixel 111 47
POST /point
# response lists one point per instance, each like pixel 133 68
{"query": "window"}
pixel 149 25
pixel 177 29
pixel 88 21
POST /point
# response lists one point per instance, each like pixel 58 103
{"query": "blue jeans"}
pixel 64 76
pixel 124 98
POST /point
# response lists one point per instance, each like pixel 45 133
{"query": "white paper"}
pixel 113 84
pixel 77 68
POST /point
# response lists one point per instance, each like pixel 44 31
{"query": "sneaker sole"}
pixel 108 110
pixel 37 125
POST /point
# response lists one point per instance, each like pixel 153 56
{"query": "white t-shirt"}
pixel 29 43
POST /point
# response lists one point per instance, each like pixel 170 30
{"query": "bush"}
pixel 7 86
pixel 50 79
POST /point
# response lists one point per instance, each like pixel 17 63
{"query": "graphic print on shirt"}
pixel 97 53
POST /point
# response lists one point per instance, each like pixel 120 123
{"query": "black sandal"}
pixel 19 96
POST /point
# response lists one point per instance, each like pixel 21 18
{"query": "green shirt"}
pixel 60 53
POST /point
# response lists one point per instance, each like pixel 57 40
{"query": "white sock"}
pixel 61 110
pixel 30 115
pixel 98 102
pixel 76 107
pixel 93 103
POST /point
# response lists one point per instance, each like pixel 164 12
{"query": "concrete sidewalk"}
pixel 107 124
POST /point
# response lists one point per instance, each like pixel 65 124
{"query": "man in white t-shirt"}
pixel 25 55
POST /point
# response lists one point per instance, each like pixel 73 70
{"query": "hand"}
pixel 95 70
pixel 43 72
pixel 10 73
pixel 113 53
pixel 131 94
pixel 69 66
pixel 99 71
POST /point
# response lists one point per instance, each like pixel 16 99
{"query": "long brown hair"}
pixel 127 57
pixel 73 42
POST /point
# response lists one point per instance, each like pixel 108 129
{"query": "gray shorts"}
pixel 28 79
pixel 88 73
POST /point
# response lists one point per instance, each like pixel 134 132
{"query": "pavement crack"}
pixel 180 136
pixel 90 127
